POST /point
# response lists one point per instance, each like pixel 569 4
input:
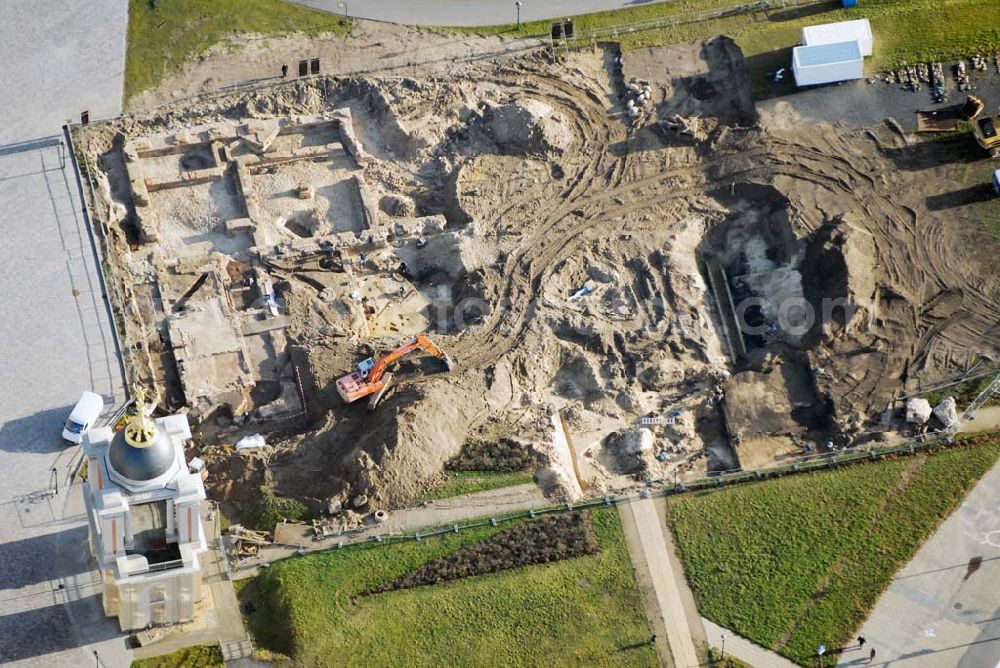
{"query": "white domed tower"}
pixel 144 508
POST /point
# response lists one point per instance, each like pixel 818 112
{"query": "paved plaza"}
pixel 941 609
pixel 59 59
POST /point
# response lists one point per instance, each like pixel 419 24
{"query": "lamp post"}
pixel 518 5
pixel 723 657
pixel 343 5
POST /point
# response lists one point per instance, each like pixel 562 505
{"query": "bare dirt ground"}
pixel 370 47
pixel 584 276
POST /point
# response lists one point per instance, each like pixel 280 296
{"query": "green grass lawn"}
pixel 467 482
pixel 904 30
pixel 987 211
pixel 574 612
pixel 199 656
pixel 799 561
pixel 163 34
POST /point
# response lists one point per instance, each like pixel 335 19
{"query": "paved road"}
pixel 59 59
pixel 649 550
pixel 943 608
pixel 466 12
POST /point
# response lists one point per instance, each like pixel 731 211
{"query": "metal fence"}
pixel 757 10
pixel 655 488
pixel 96 228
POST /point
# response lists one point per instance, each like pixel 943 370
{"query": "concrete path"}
pixel 943 608
pixel 648 548
pixel 59 58
pixel 466 12
pixel 743 649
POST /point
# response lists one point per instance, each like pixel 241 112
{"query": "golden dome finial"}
pixel 140 431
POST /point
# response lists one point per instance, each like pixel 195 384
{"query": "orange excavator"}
pixel 371 378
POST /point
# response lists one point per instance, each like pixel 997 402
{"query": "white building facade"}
pixel 144 512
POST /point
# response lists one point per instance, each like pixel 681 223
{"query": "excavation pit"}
pixel 267 241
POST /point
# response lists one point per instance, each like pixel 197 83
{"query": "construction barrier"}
pixel 657 488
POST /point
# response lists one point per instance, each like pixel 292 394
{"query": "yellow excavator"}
pixel 371 377
pixel 986 129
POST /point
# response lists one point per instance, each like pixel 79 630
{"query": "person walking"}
pixel 284 71
pixel 871 655
pixel 861 641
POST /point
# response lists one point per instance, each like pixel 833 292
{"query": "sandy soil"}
pixel 369 48
pixel 573 273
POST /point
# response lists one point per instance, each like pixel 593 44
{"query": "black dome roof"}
pixel 140 464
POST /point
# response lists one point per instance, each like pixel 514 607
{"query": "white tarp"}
pixel 947 413
pixel 251 442
pixel 918 410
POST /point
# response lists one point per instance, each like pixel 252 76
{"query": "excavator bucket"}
pixel 448 361
pixel 377 396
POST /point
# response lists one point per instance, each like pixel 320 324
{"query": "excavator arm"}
pixel 385 362
pixel 354 385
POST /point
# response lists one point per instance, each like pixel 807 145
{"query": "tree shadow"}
pixel 793 13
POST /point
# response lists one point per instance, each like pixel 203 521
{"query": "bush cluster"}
pixel 536 542
pixel 264 510
pixel 504 454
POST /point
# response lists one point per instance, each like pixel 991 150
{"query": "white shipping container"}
pixel 843 31
pixel 827 63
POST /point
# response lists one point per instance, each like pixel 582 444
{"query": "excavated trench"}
pixel 777 308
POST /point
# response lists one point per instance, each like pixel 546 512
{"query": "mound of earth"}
pixel 529 127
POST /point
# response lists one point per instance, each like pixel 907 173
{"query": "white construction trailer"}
pixel 827 63
pixel 843 31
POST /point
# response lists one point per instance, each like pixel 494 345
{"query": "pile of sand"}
pixel 529 126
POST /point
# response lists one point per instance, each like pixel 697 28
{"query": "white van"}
pixel 84 414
